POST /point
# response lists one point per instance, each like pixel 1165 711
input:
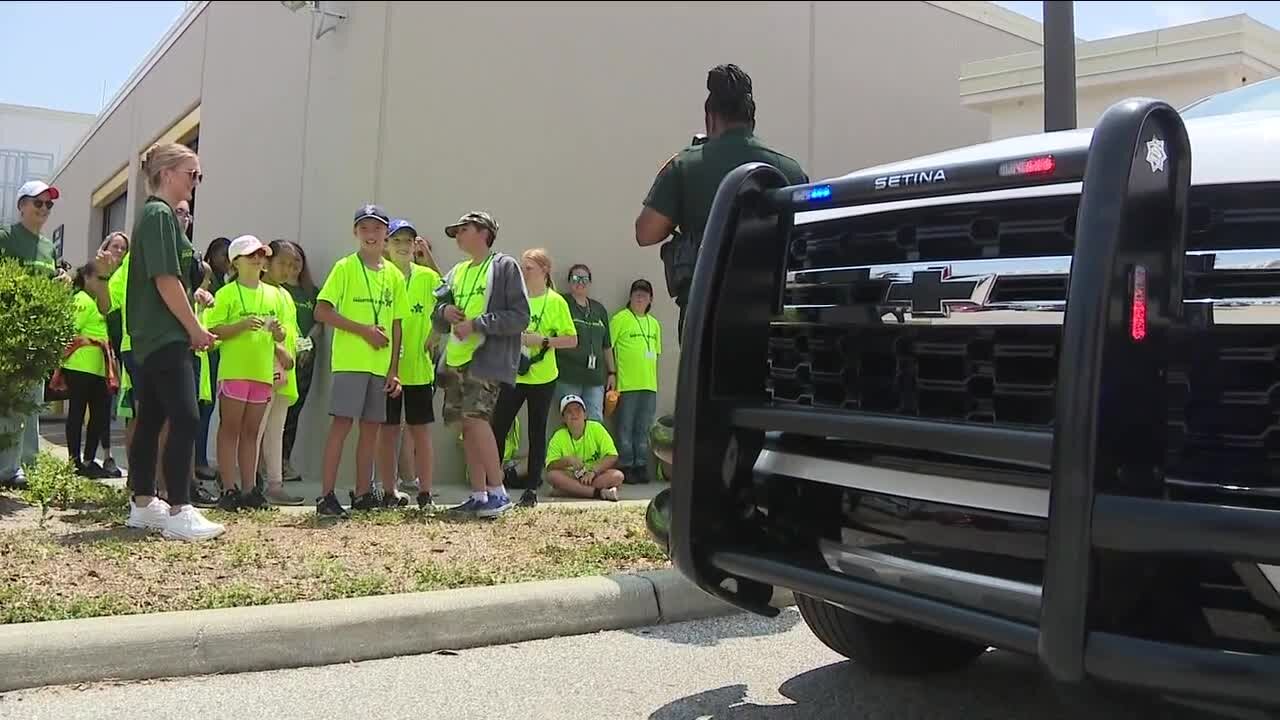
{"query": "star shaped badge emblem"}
pixel 1156 155
pixel 417 308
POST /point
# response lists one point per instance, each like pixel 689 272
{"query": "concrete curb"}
pixel 272 637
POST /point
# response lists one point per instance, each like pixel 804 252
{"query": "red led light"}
pixel 1138 306
pixel 1043 165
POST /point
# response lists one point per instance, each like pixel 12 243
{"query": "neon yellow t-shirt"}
pixel 468 285
pixel 90 323
pixel 249 355
pixel 368 297
pixel 289 318
pixel 117 287
pixel 548 315
pixel 594 445
pixel 637 343
pixel 416 367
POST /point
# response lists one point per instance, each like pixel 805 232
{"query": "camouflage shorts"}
pixel 466 396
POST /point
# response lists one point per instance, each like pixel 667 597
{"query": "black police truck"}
pixel 1022 395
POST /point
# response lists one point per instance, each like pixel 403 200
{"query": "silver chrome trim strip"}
pixel 1266 259
pixel 1020 601
pixel 1013 499
pixel 813 216
pixel 1267 492
pixel 1272 572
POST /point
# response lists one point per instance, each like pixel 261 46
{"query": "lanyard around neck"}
pixel 644 329
pixel 374 302
pixel 475 279
pixel 243 307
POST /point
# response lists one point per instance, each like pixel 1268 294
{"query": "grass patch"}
pixel 84 564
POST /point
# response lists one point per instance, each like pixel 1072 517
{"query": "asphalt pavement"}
pixel 733 668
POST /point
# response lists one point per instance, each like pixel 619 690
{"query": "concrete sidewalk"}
pixel 139 647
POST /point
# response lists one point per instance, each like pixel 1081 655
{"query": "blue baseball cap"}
pixel 400 224
pixel 371 211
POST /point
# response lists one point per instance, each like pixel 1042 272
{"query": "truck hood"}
pixel 1243 147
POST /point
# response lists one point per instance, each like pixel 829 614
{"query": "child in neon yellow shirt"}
pixel 637 343
pixel 581 455
pixel 247 316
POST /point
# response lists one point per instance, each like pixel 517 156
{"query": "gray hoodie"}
pixel 505 318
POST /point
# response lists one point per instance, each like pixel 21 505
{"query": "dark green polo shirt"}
pixel 592 323
pixel 687 184
pixel 159 247
pixel 34 251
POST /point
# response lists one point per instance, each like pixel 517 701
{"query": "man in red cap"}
pixel 23 242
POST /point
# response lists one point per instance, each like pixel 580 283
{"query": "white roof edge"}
pixel 188 16
pixel 1245 36
pixel 36 109
pixel 1000 18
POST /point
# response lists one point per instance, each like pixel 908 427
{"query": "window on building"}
pixel 113 215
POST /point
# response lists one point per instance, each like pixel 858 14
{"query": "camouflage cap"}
pixel 475 217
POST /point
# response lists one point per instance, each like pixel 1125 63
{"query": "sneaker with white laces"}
pixel 155 516
pixel 188 524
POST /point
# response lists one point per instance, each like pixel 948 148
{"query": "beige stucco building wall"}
pixel 555 116
pixel 1179 65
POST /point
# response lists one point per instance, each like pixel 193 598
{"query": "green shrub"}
pixel 53 483
pixel 36 323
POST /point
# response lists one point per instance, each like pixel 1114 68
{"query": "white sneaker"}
pixel 155 516
pixel 191 526
pixel 610 494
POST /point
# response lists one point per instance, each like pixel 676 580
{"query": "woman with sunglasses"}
pixel 587 370
pixel 164 330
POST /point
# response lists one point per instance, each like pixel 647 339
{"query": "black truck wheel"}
pixel 891 648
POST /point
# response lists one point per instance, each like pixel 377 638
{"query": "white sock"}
pixel 500 491
pixel 480 497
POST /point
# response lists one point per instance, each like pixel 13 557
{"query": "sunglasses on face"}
pixel 196 176
pixel 41 204
pixel 182 213
pixel 580 279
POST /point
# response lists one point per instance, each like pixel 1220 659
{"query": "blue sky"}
pixel 85 47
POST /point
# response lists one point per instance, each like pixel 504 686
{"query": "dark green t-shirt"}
pixel 305 301
pixel 159 247
pixel 576 366
pixel 687 184
pixel 32 250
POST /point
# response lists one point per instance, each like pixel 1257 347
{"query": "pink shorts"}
pixel 245 391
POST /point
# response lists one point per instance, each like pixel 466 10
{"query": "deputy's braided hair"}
pixel 729 94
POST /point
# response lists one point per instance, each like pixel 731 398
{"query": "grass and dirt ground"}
pixel 80 561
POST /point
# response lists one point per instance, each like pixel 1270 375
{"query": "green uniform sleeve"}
pixel 288 314
pixel 615 329
pixel 565 326
pixel 604 441
pixel 556 449
pixel 156 236
pixel 657 336
pixel 335 286
pixel 665 194
pixel 117 285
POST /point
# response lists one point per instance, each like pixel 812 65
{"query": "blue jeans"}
pixel 27 443
pixel 593 395
pixel 636 411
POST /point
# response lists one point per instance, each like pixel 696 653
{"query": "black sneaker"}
pixel 111 469
pixel 205 473
pixel 328 506
pixel 529 499
pixel 229 500
pixel 91 470
pixel 255 500
pixel 426 502
pixel 202 498
pixel 367 501
pixel 394 500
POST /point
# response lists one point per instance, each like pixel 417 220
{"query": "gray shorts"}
pixel 359 396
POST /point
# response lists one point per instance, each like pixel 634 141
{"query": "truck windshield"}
pixel 1250 98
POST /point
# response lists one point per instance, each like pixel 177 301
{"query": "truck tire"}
pixel 892 648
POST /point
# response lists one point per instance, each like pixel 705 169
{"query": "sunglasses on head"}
pixel 43 204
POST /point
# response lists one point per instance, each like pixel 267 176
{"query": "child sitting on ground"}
pixel 581 455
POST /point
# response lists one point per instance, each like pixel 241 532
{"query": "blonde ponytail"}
pixel 161 157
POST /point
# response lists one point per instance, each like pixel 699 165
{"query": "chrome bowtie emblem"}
pixel 931 293
pixel 1156 155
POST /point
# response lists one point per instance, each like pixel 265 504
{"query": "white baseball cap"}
pixel 568 400
pixel 32 188
pixel 246 245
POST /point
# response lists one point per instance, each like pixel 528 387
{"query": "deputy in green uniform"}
pixel 682 193
pixel 23 241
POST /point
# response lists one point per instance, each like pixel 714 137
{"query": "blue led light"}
pixel 821 192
